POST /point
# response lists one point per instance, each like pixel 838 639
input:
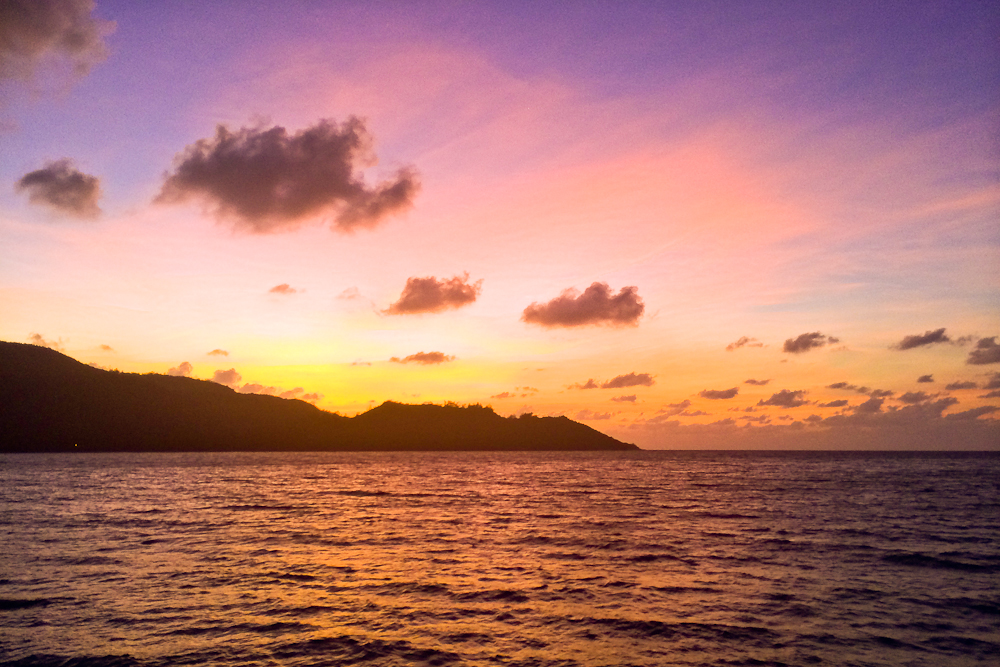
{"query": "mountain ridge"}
pixel 50 402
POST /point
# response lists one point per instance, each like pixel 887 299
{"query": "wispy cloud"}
pixel 743 341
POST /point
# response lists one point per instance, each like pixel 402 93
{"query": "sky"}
pixel 687 225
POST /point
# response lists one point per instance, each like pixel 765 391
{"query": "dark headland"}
pixel 52 403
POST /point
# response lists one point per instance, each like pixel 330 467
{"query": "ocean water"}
pixel 520 559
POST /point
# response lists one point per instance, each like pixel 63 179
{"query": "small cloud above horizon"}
pixel 430 295
pixel 986 352
pixel 425 358
pixel 283 288
pixel 786 399
pixel 719 394
pixel 183 369
pixel 808 341
pixel 218 353
pixel 41 341
pixel 228 378
pixel 921 340
pixel 756 383
pixel 743 341
pixel 595 306
pixel 63 188
pixel 925 378
pixel 629 380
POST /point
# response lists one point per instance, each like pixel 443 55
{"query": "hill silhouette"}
pixel 52 403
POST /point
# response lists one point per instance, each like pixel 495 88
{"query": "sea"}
pixel 520 559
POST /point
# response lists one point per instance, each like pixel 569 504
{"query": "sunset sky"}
pixel 685 224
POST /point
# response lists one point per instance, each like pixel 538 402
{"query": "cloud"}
pixel 925 378
pixel 872 405
pixel 423 358
pixel 860 389
pixel 107 348
pixel 283 288
pixel 629 380
pixel 961 385
pixel 312 398
pixel 993 394
pixel 786 399
pixel 631 398
pixel 587 414
pixel 834 404
pixel 673 409
pixel 504 394
pixel 716 394
pixel 183 370
pixel 881 393
pixel 34 32
pixel 218 353
pixel 808 341
pixel 974 413
pixel 589 384
pixel 38 339
pixel 986 352
pixel 266 180
pixel 914 397
pixel 744 341
pixel 758 383
pixel 693 413
pixel 63 188
pixel 920 340
pixel 993 382
pixel 430 295
pixel 227 378
pixel 595 306
pixel 255 388
pixel 291 393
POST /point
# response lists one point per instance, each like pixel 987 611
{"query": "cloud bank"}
pixel 808 341
pixel 596 306
pixel 33 32
pixel 423 358
pixel 266 180
pixel 430 295
pixel 63 188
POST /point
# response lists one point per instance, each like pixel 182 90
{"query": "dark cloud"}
pixel 974 413
pixel 808 341
pixel 423 358
pixel 881 393
pixel 430 295
pixel 283 288
pixel 35 32
pixel 961 385
pixel 914 397
pixel 218 353
pixel 834 404
pixel 872 405
pixel 693 413
pixel 993 382
pixel 589 384
pixel 629 380
pixel 993 394
pixel 63 188
pixel 673 409
pixel 631 398
pixel 757 383
pixel 228 378
pixel 595 306
pixel 786 399
pixel 986 352
pixel 38 339
pixel 744 341
pixel 925 378
pixel 183 370
pixel 267 180
pixel 860 389
pixel 717 394
pixel 919 340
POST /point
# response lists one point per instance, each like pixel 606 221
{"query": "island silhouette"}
pixel 50 402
